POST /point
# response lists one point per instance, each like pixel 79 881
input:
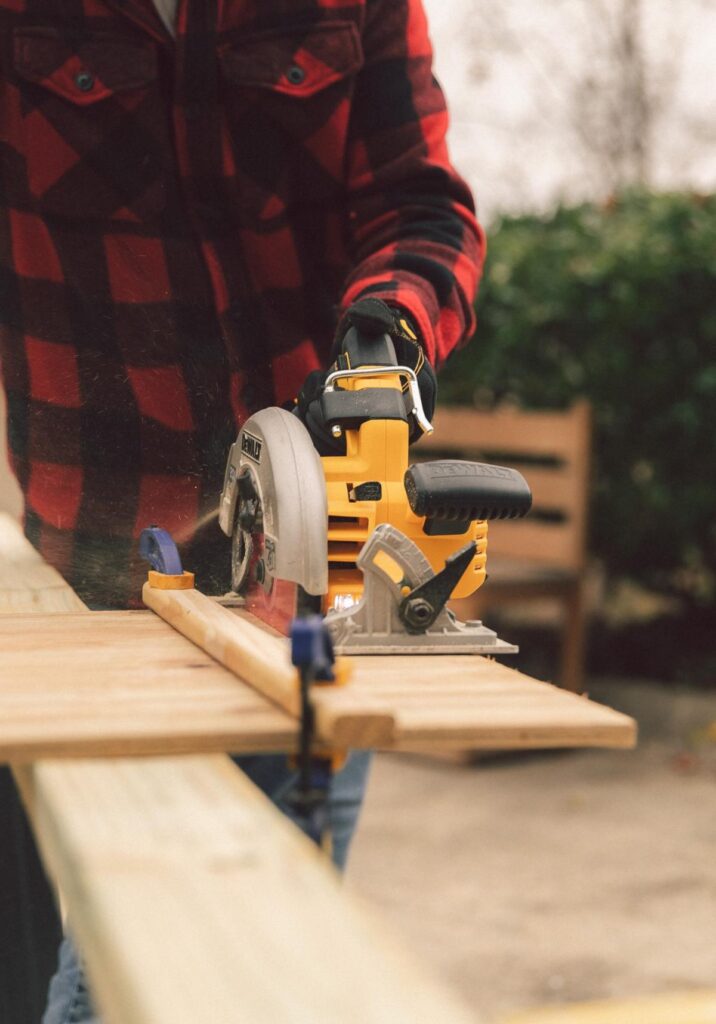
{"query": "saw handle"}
pixel 362 349
pixel 415 406
pixel 451 494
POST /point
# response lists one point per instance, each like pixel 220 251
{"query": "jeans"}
pixel 69 1000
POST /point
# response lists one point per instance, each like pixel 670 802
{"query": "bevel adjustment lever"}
pixel 420 608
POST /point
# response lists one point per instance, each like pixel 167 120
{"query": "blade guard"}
pixel 288 477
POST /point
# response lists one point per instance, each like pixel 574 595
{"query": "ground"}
pixel 567 876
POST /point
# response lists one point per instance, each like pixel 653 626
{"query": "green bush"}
pixel 617 304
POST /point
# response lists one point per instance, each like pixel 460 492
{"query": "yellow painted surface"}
pixel 378 451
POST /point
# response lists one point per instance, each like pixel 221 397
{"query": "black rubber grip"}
pixel 454 491
pixel 351 408
pixel 364 349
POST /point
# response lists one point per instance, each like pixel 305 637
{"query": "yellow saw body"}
pixel 377 545
pixel 378 451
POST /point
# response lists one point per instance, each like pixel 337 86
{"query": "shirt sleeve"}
pixel 415 240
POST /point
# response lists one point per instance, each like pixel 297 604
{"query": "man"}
pixel 193 196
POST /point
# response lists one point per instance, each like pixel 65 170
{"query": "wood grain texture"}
pixel 199 905
pixel 458 700
pixel 120 683
pixel 117 683
pixel 27 582
pixel 259 656
pixel 192 899
pixel 234 641
pixel 111 683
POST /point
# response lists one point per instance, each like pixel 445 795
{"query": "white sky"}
pixel 505 134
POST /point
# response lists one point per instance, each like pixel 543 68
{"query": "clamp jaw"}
pixel 157 547
pixel 312 654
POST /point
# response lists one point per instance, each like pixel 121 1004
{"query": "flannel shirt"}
pixel 182 221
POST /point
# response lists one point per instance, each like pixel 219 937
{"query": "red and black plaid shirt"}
pixel 181 221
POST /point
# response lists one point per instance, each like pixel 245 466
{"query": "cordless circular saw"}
pixel 376 545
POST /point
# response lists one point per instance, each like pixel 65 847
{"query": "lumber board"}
pixel 27 582
pixel 394 701
pixel 234 641
pixel 126 683
pixel 103 684
pixel 681 1007
pixel 116 683
pixel 196 903
pixel 188 892
pixel 260 657
pixel 537 432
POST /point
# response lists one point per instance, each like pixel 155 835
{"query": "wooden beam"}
pixel 398 701
pixel 194 902
pixel 191 897
pixel 122 683
pixel 27 582
pixel 116 683
pixel 685 1007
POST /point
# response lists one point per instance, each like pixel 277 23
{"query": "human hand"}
pixel 371 333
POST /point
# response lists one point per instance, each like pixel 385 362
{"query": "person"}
pixel 195 196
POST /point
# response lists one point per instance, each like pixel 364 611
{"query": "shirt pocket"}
pixel 96 137
pixel 287 98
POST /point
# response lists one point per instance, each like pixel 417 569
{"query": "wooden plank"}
pixel 191 897
pixel 474 702
pixel 194 902
pixel 109 683
pixel 27 582
pixel 554 488
pixel 395 701
pixel 126 682
pixel 685 1007
pixel 145 689
pixel 260 657
pixel 508 429
pixel 234 641
pixel 557 545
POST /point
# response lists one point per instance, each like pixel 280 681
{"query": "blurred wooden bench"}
pixel 544 555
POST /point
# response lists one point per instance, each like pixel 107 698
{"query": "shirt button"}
pixel 295 74
pixel 84 81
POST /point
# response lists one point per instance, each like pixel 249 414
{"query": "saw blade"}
pixel 274 601
pixel 274 507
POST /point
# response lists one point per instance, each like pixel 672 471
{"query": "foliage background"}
pixel 617 303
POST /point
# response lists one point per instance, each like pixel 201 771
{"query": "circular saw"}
pixel 375 544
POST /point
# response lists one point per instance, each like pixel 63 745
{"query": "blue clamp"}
pixel 312 654
pixel 157 547
pixel 312 647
